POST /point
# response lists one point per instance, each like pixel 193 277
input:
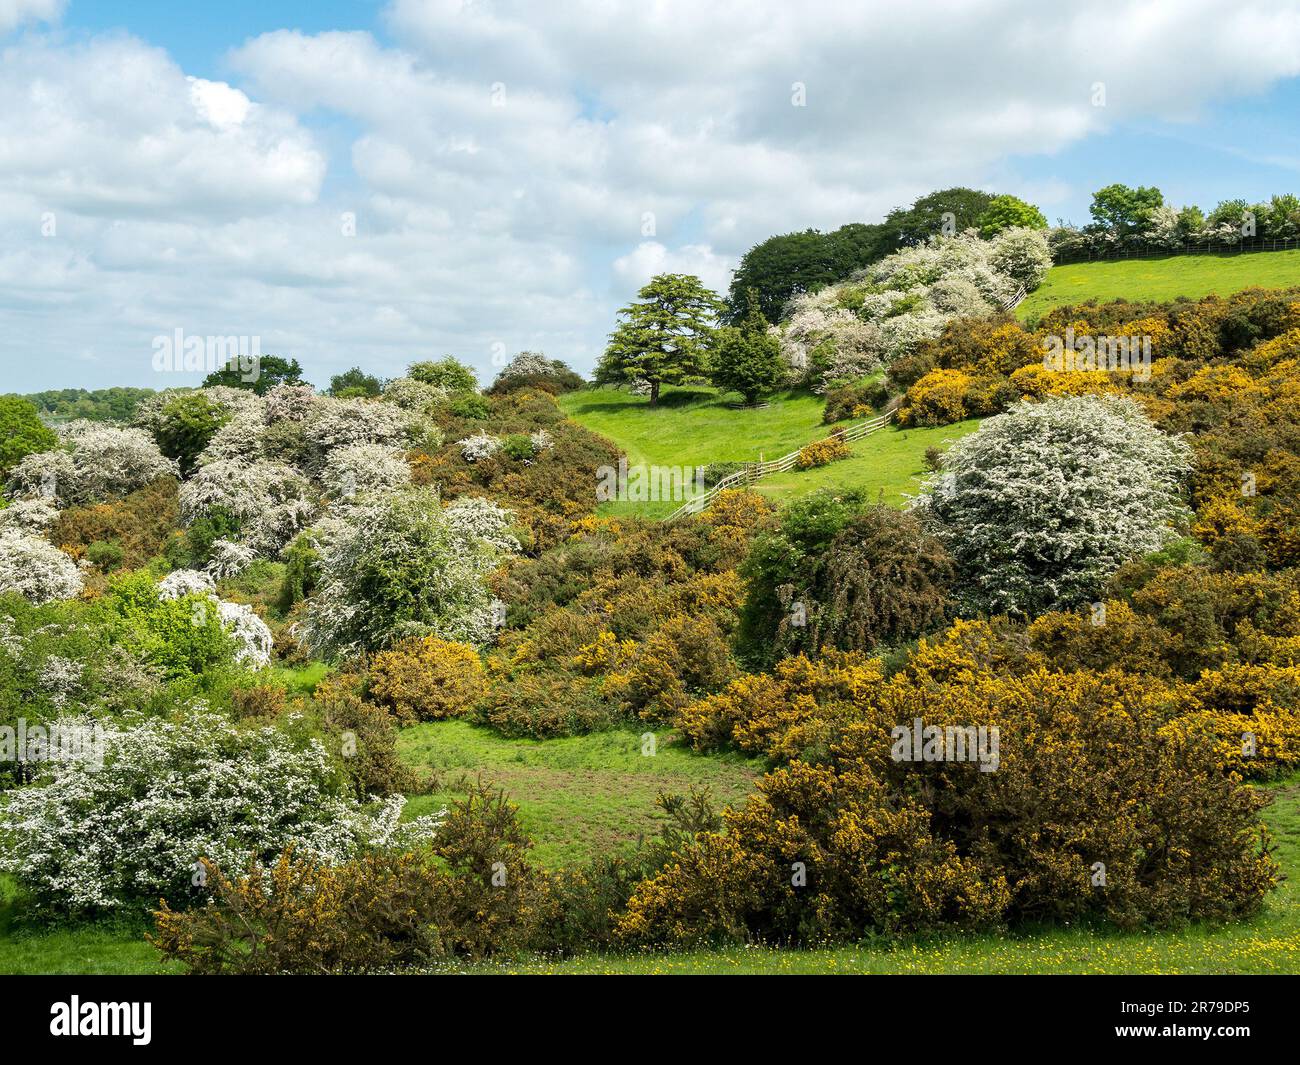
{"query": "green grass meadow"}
pixel 578 796
pixel 695 427
pixel 1161 279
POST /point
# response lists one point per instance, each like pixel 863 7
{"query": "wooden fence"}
pixel 1014 300
pixel 756 471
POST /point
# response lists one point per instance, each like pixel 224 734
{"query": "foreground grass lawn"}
pixel 578 796
pixel 107 949
pixel 1161 279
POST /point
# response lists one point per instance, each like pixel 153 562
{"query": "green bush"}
pixel 846 400
pixel 481 896
pixel 22 433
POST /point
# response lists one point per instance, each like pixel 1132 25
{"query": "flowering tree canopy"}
pixel 1047 500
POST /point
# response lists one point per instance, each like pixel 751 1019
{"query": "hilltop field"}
pixel 1190 276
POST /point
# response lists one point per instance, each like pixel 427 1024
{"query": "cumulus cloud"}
pixel 114 127
pixel 16 12
pixel 651 258
pixel 504 176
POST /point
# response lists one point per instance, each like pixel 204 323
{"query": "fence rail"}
pixel 1245 246
pixel 1015 299
pixel 756 471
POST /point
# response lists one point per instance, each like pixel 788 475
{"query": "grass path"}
pixel 1161 279
pixel 578 796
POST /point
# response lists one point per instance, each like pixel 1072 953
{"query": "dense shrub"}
pixel 822 452
pixel 140 523
pixel 531 369
pixel 854 399
pixel 403 567
pixel 938 398
pixel 169 794
pixel 482 896
pixel 546 703
pixel 94 463
pixel 366 739
pixel 35 569
pixel 1043 503
pixel 184 423
pixel 783 559
pixel 426 679
pixel 856 840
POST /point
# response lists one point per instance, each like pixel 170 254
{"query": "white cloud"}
pixel 500 159
pixel 113 127
pixel 16 12
pixel 651 258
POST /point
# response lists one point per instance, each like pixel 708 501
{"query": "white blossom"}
pixel 529 364
pixel 94 463
pixel 271 501
pixel 30 514
pixel 335 423
pixel 361 469
pixel 479 446
pixel 229 559
pixel 1045 501
pixel 170 792
pixel 405 566
pixel 288 402
pixel 856 326
pixel 478 520
pixel 413 395
pixel 182 582
pixel 36 569
pixel 251 633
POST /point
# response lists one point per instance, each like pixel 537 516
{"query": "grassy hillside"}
pixel 695 427
pixel 1161 279
pixel 891 461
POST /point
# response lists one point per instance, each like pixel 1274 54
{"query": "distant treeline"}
pixel 101 405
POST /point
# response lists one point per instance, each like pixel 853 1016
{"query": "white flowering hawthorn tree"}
pixel 35 568
pixel 29 514
pixel 132 830
pixel 478 447
pixel 364 469
pixel 412 395
pixel 272 502
pixel 1045 501
pixel 403 566
pixel 251 634
pixel 335 423
pixel 93 463
pixel 855 327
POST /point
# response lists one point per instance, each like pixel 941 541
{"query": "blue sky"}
pixel 194 167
